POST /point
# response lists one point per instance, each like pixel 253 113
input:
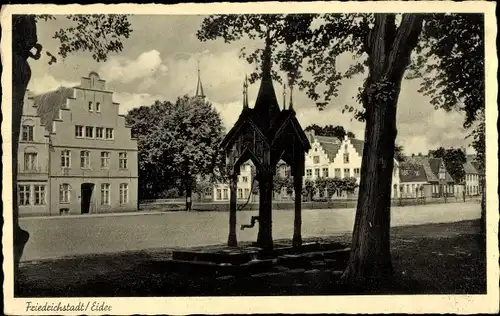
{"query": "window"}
pixel 240 193
pixel 30 161
pixel 89 131
pixel 24 195
pixel 247 193
pixel 309 172
pixel 65 159
pixel 27 134
pixel 325 172
pixel 356 172
pixel 225 194
pixel 244 179
pixel 63 211
pixel 316 159
pixel 347 172
pixel 64 193
pixel 99 132
pixel 79 131
pixel 413 188
pixel 123 193
pixel 91 108
pixel 105 159
pixel 316 172
pixel 345 147
pixel 243 168
pixel 122 157
pixel 105 194
pixel 346 157
pixel 98 107
pixel 85 159
pixel 219 194
pixel 407 188
pixel 39 194
pixel 109 133
pixel 337 173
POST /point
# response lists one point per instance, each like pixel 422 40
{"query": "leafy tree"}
pixel 309 189
pixel 454 160
pixel 177 142
pixel 383 45
pixel 330 130
pixel 398 153
pixel 98 34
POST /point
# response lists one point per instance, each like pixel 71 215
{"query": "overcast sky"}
pixel 159 62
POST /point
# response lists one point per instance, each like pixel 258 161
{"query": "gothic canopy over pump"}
pixel 265 127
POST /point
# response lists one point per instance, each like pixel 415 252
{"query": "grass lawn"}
pixel 428 259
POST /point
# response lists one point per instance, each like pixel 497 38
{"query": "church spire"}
pixel 199 86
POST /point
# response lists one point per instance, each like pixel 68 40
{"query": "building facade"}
pixel 33 164
pixel 330 157
pixel 221 191
pixel 90 155
pixel 471 183
pixel 425 177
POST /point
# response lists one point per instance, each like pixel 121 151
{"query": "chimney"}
pixel 413 155
pixel 420 154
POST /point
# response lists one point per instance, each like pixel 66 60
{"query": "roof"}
pixel 469 168
pixel 331 149
pixel 266 116
pixel 50 103
pixel 431 167
pixel 409 172
pixel 358 145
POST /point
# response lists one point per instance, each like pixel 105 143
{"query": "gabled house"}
pixel 330 157
pixel 422 176
pixel 472 185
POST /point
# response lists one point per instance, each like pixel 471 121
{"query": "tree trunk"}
pixel 389 49
pixel 24 38
pixel 483 210
pixel 189 195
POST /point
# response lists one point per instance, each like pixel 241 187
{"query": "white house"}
pixel 330 157
pixel 471 178
pixel 221 191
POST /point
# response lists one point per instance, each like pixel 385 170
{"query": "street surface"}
pixel 53 237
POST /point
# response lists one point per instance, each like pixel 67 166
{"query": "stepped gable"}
pixel 48 105
pixel 358 145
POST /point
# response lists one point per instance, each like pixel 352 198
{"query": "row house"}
pixel 331 157
pixel 425 177
pixel 81 149
pixel 472 185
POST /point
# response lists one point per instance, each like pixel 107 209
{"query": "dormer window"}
pixel 91 107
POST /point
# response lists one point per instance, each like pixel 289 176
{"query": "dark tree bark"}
pixel 483 209
pixel 389 48
pixel 24 38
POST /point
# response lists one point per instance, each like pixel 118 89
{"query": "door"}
pixel 86 196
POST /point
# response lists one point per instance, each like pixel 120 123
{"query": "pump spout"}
pixel 252 223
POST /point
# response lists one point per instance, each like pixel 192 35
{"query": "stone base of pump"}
pixel 217 261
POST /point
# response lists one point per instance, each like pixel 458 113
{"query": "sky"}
pixel 160 59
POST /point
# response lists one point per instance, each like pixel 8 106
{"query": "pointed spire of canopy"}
pixel 290 105
pixel 245 93
pixel 266 105
pixel 199 86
